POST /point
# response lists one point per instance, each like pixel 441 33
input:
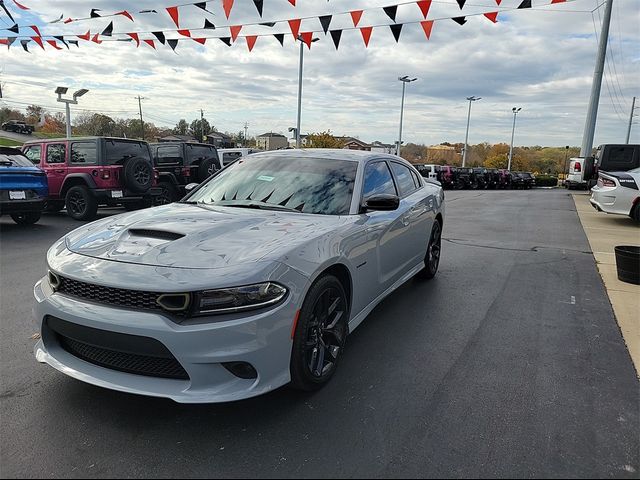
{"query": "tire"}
pixel 206 169
pixel 169 194
pixel 313 359
pixel 635 213
pixel 26 218
pixel 138 174
pixel 80 203
pixel 434 249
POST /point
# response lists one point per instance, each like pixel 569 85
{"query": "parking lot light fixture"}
pixel 515 111
pixel 69 101
pixel 404 81
pixel 300 88
pixel 466 137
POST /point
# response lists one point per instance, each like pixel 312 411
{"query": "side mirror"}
pixel 189 187
pixel 382 202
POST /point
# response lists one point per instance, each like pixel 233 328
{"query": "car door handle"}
pixel 59 171
pixel 406 220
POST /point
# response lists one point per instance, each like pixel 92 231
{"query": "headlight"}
pixel 238 299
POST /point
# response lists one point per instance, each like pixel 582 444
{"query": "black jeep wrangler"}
pixel 182 163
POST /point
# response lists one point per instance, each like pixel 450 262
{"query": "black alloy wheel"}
pixel 434 249
pixel 80 203
pixel 320 335
pixel 141 174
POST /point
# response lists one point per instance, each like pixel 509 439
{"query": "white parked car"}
pixel 230 155
pixel 618 193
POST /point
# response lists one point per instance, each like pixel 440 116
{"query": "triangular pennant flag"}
pixel 175 15
pixel 11 41
pixel 325 21
pixel 208 25
pixel 20 6
pixel 461 3
pixel 96 39
pixel 336 35
pixel 292 2
pixel 148 11
pixel 498 2
pixel 54 44
pixel 94 13
pixel 235 30
pixel 356 15
pixel 557 1
pixel 124 13
pixel 226 41
pixel 201 41
pixel 227 5
pixel 424 5
pixel 24 44
pixel 525 4
pixel 185 33
pixel 251 41
pixel 391 12
pixel 173 44
pixel 294 25
pixel 151 43
pixel 460 20
pixel 59 19
pixel 61 39
pixel 396 30
pixel 68 20
pixel 201 5
pixel 86 36
pixel 259 4
pixel 160 36
pixel 14 29
pixel 135 37
pixel 74 42
pixel 4 41
pixel 307 37
pixel 36 29
pixel 493 16
pixel 366 34
pixel 427 26
pixel 280 38
pixel 107 32
pixel 7 11
pixel 268 24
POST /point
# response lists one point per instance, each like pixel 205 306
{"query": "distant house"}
pixel 271 141
pixel 177 138
pixel 351 143
pixel 220 140
pixel 443 154
pixel 380 147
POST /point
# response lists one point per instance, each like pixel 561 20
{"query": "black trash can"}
pixel 628 263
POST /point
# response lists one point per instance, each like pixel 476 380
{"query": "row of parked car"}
pixel 477 178
pixel 82 174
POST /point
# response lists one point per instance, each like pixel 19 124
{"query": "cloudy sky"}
pixel 541 59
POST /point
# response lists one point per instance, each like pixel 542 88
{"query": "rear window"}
pixel 200 152
pixel 169 154
pixel 17 160
pixel 616 158
pixel 119 151
pixel 230 157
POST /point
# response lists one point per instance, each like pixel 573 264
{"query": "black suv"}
pixel 17 126
pixel 480 178
pixel 529 181
pixel 465 177
pixel 181 163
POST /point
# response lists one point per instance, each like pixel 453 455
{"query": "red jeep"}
pixel 85 173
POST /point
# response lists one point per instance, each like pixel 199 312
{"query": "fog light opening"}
pixel 241 370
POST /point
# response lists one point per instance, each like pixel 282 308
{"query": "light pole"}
pixel 404 81
pixel 466 137
pixel 513 132
pixel 67 101
pixel 300 88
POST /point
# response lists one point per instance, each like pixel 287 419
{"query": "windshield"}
pixel 15 161
pixel 307 185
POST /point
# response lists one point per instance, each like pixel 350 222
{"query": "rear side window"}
pixel 56 153
pixel 404 178
pixel 34 153
pixel 378 180
pixel 230 157
pixel 84 153
pixel 617 158
pixel 416 179
pixel 119 151
pixel 170 154
pixel 200 152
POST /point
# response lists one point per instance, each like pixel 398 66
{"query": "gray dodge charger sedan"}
pixel 252 281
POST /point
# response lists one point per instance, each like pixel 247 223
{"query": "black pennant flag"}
pixel 173 44
pixel 160 36
pixel 201 5
pixel 74 42
pixel 226 41
pixel 325 21
pixel 336 35
pixel 10 41
pixel 268 24
pixel 525 4
pixel 280 38
pixel 61 38
pixel 6 11
pixel 460 20
pixel 94 13
pixel 391 11
pixel 14 29
pixel 461 3
pixel 24 44
pixel 259 4
pixel 107 32
pixel 396 30
pixel 208 25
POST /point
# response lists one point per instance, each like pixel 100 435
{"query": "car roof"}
pixel 79 139
pixel 178 142
pixel 359 156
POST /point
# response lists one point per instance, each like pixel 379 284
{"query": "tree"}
pixel 7 113
pixel 200 128
pixel 54 124
pixel 34 114
pixel 95 124
pixel 324 140
pixel 181 128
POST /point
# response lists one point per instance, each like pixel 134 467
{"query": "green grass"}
pixel 6 142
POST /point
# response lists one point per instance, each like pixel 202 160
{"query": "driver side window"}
pixel 378 180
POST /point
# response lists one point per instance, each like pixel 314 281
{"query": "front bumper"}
pixel 261 338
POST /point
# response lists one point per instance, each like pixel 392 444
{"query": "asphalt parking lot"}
pixel 509 364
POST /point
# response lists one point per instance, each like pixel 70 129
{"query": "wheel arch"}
pixel 74 180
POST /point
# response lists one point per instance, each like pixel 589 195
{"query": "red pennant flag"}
pixel 175 16
pixel 20 6
pixel 86 36
pixel 96 39
pixel 498 2
pixel 292 2
pixel 68 20
pixel 307 37
pixel 135 37
pixel 294 25
pixel 235 30
pixel 38 40
pixel 4 41
pixel 366 34
pixel 151 43
pixel 201 41
pixel 427 26
pixel 557 1
pixel 124 13
pixel 424 5
pixel 356 15
pixel 227 5
pixel 493 16
pixel 54 44
pixel 185 33
pixel 251 41
pixel 36 29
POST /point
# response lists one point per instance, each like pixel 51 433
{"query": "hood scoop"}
pixel 155 234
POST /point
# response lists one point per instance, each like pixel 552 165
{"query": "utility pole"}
pixel 246 127
pixel 592 114
pixel 466 137
pixel 404 81
pixel 140 107
pixel 515 111
pixel 633 107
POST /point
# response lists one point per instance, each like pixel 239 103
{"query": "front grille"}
pixel 117 351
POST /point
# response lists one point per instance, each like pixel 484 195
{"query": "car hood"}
pixel 193 236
